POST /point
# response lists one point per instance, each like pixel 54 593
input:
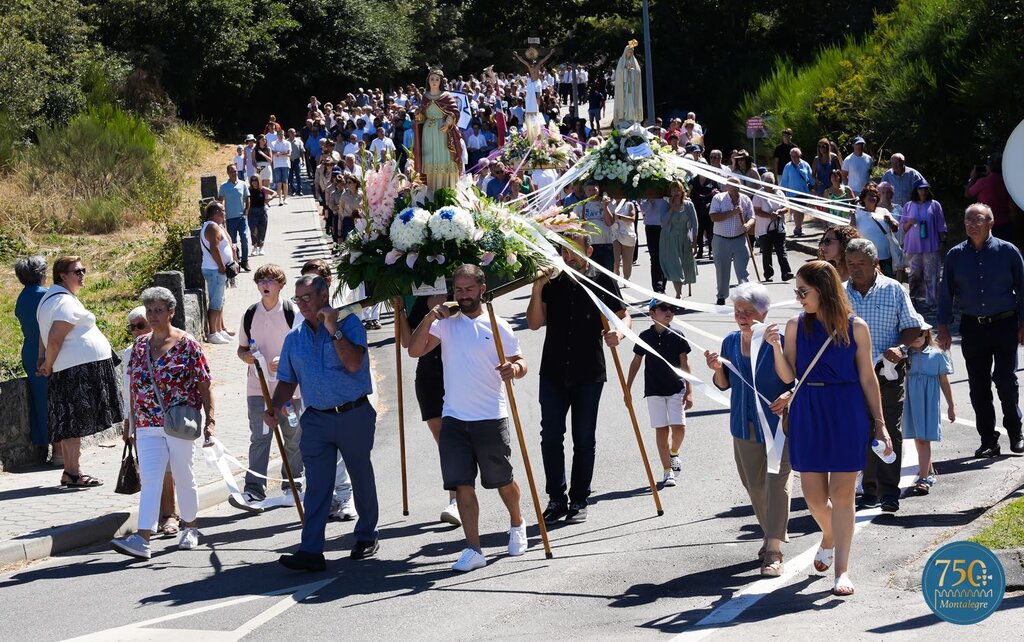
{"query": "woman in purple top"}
pixel 924 230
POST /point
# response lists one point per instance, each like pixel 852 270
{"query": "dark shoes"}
pixel 364 550
pixel 867 501
pixel 555 512
pixel 720 302
pixel 1017 444
pixel 988 450
pixel 890 504
pixel 303 561
pixel 787 277
pixel 577 513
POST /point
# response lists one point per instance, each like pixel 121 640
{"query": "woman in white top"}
pixel 217 253
pixel 83 393
pixel 875 224
pixel 625 235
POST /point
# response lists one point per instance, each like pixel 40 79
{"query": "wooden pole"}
pixel 401 411
pixel 280 441
pixel 750 244
pixel 636 426
pixel 519 433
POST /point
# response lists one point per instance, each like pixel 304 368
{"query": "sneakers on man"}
pixel 134 545
pixel 471 559
pixel 450 514
pixel 189 538
pixel 517 542
pixel 555 511
pixel 217 338
pixel 669 480
pixel 577 513
pixel 675 463
pixel 248 502
pixel 343 511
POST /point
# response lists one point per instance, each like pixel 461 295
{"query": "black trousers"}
pixel 653 233
pixel 990 351
pixel 882 479
pixel 705 226
pixel 773 242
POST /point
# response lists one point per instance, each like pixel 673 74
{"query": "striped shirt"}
pixel 887 310
pixel 732 226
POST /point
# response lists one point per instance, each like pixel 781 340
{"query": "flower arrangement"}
pixel 561 221
pixel 634 164
pixel 452 223
pixel 548 152
pixel 409 228
pixel 503 257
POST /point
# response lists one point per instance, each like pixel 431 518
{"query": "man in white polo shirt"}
pixel 266 322
pixel 474 417
pixel 733 216
pixel 857 167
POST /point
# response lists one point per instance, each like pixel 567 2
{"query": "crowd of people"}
pixel 859 341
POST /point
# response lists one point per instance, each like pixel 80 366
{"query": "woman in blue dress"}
pixel 31 272
pixel 827 447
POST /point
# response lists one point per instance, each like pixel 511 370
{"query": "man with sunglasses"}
pixel 328 356
pixel 986 275
pixel 266 322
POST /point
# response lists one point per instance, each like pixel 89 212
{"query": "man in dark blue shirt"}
pixel 986 274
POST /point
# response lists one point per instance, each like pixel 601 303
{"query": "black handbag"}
pixel 129 481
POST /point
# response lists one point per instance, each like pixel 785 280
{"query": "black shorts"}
pixel 468 445
pixel 430 396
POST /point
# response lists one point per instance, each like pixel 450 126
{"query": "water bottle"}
pixel 264 366
pixel 879 448
pixel 293 419
pixel 924 228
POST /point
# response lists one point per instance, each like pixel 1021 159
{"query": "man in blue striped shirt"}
pixel 885 307
pixel 986 275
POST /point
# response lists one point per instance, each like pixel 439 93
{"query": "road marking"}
pixel 751 594
pixel 138 630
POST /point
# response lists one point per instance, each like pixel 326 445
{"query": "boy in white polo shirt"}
pixel 266 322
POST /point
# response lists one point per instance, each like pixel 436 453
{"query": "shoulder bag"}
pixel 899 259
pixel 800 381
pixel 180 422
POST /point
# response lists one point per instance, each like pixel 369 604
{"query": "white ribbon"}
pixel 773 443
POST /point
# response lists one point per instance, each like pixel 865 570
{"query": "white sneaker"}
pixel 217 338
pixel 517 542
pixel 450 514
pixel 669 480
pixel 248 503
pixel 189 539
pixel 348 512
pixel 676 463
pixel 471 559
pixel 860 483
pixel 134 545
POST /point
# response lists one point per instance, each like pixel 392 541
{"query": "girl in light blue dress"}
pixel 928 371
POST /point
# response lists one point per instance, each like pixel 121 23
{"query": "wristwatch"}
pixel 338 335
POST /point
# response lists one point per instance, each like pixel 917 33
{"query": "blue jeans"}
pixel 236 228
pixel 323 436
pixel 295 178
pixel 556 399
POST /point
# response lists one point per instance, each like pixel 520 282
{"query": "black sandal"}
pixel 81 480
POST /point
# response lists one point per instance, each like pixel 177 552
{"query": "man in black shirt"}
pixel 782 150
pixel 595 109
pixel 572 375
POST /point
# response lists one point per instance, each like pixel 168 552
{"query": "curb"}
pixel 1013 565
pixel 91 531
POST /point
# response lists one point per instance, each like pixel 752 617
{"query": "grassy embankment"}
pixel 108 189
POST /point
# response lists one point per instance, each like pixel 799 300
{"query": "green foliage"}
pixel 100 215
pixel 1006 529
pixel 11 246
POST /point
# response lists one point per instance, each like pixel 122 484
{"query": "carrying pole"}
pixel 401 411
pixel 280 441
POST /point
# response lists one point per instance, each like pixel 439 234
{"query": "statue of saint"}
pixel 629 104
pixel 533 120
pixel 437 143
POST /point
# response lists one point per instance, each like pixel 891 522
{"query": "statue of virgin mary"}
pixel 629 104
pixel 437 143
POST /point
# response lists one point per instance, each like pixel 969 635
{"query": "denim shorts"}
pixel 281 174
pixel 215 285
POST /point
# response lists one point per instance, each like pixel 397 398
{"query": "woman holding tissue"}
pixel 829 351
pixel 167 369
pixel 769 492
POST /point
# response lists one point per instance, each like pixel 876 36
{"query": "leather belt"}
pixel 722 236
pixel 345 407
pixel 993 318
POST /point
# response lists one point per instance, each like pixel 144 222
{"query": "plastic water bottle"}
pixel 879 448
pixel 924 228
pixel 293 419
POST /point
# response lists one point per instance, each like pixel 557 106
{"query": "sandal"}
pixel 81 480
pixel 823 559
pixel 843 586
pixel 772 566
pixel 169 525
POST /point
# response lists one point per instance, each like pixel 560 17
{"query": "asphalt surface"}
pixel 626 573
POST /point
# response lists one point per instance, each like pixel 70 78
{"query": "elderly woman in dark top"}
pixel 769 492
pixel 31 271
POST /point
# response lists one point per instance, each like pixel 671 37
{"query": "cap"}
pixel 689 121
pixel 922 184
pixel 250 137
pixel 858 140
pixel 691 148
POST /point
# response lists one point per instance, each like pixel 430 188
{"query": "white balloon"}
pixel 1013 165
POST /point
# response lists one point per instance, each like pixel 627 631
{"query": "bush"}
pixel 101 215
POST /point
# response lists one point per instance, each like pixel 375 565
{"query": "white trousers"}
pixel 156 449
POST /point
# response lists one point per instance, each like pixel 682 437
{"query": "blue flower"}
pixel 407 214
pixel 446 213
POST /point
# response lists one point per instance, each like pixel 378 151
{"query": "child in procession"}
pixel 928 371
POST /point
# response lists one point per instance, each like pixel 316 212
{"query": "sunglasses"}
pixel 826 241
pixel 78 272
pixel 305 298
pixel 801 294
pixel 137 326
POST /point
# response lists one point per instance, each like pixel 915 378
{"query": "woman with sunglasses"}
pixel 829 351
pixel 875 224
pixel 832 247
pixel 83 395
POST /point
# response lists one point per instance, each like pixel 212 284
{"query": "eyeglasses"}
pixel 801 294
pixel 825 241
pixel 262 281
pixel 305 298
pixel 137 326
pixel 78 272
pixel 975 221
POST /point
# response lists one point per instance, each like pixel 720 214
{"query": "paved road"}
pixel 625 573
